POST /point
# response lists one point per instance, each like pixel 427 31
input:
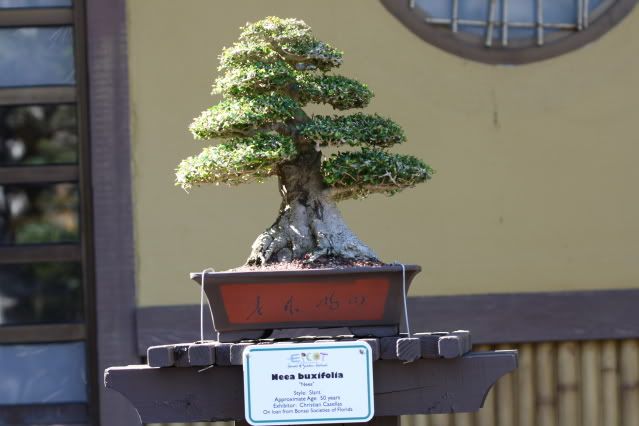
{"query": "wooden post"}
pixel 591 384
pixel 610 383
pixel 568 383
pixel 440 420
pixel 421 420
pixel 525 386
pixel 546 388
pixel 505 390
pixel 486 416
pixel 406 420
pixel 463 419
pixel 629 360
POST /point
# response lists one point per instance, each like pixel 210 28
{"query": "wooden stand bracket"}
pixel 195 382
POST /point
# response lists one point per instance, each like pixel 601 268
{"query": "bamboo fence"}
pixel 590 383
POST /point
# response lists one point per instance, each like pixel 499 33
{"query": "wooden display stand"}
pixel 203 381
pixel 425 373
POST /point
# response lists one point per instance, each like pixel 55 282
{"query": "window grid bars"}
pixel 491 23
pixel 504 24
pixel 48 94
pixel 540 23
pixel 53 252
pixel 455 15
pixel 582 20
pixel 585 8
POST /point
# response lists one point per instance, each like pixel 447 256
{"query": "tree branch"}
pixel 360 173
pixel 354 130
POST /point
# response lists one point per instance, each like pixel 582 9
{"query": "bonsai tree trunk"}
pixel 309 226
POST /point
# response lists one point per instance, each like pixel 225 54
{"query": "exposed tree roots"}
pixel 309 230
pixel 309 226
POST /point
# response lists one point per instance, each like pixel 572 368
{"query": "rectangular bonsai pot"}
pixel 355 296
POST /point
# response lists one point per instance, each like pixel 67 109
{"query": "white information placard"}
pixel 329 382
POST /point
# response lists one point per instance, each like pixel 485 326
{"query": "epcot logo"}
pixel 307 359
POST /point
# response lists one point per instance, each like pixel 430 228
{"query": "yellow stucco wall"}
pixel 536 185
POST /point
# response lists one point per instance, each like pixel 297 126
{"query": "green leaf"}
pixel 359 174
pixel 338 91
pixel 275 38
pixel 273 70
pixel 278 76
pixel 243 53
pixel 236 116
pixel 257 77
pixel 238 161
pixel 356 129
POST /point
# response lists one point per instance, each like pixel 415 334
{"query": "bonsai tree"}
pixel 275 69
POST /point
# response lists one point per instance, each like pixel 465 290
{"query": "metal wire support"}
pixel 455 15
pixel 491 23
pixel 586 12
pixel 405 296
pixel 540 22
pixel 504 23
pixel 202 304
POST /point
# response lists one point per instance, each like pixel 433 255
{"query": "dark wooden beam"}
pixel 40 253
pixel 165 395
pixel 37 174
pixel 30 17
pixel 43 414
pixel 37 95
pixel 532 317
pixel 39 333
pixel 492 318
pixel 94 388
pixel 112 218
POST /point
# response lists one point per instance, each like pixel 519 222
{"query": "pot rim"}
pixel 394 267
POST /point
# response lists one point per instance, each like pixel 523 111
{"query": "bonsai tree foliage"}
pixel 275 69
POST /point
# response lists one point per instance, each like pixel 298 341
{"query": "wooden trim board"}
pixel 40 253
pixel 37 95
pixel 30 17
pixel 40 333
pixel 50 414
pixel 112 217
pixel 532 317
pixel 491 318
pixel 38 174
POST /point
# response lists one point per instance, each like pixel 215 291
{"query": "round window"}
pixel 509 31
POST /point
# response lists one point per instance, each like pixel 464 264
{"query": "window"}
pixel 45 239
pixel 509 31
pixel 36 56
